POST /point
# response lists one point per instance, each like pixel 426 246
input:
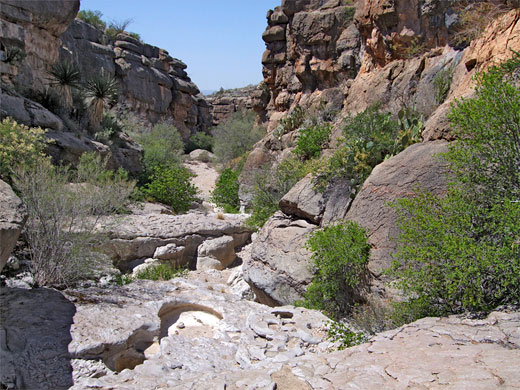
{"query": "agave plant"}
pixel 101 91
pixel 65 76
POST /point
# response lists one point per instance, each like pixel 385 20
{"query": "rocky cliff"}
pixel 305 64
pixel 153 85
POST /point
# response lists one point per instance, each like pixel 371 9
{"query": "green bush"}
pixel 161 272
pixel 442 83
pixel 291 122
pixel 236 136
pixel 93 17
pixel 111 128
pixel 170 184
pixel 340 256
pixel 116 27
pixel 200 140
pixel 370 137
pixel 346 337
pixel 271 185
pixel 225 193
pixel 20 147
pixel 64 207
pixel 311 140
pixel 461 252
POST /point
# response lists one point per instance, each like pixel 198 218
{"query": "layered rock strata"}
pixel 12 219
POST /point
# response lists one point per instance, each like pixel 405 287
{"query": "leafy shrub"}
pixel 226 191
pixel 311 140
pixel 111 128
pixel 271 185
pixel 340 256
pixel 116 27
pixel 62 217
pixel 170 184
pixel 462 252
pixel 14 55
pixel 200 140
pixel 161 272
pixel 92 17
pixel 135 36
pixel 442 83
pixel 20 147
pixel 340 332
pixel 291 122
pixel 236 136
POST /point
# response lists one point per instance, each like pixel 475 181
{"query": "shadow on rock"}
pixel 34 337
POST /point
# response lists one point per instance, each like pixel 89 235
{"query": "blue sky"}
pixel 219 40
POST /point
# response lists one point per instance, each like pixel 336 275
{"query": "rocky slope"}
pixel 224 103
pixel 381 76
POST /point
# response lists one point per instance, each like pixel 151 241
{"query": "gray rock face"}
pixel 139 236
pixel 397 177
pixel 279 269
pixel 216 253
pixel 34 334
pixel 12 219
pixel 154 86
pixel 224 104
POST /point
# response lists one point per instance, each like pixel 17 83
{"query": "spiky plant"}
pixel 101 91
pixel 65 76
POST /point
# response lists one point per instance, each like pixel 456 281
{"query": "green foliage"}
pixel 101 91
pixel 65 76
pixel 411 126
pixel 20 147
pixel 170 184
pixel 162 146
pixel 111 128
pixel 14 55
pixel 135 36
pixel 161 272
pixel 236 136
pixel 311 140
pixel 462 252
pixel 369 138
pixel 340 256
pixel 92 17
pixel 123 279
pixel 271 185
pixel 200 140
pixel 291 122
pixel 348 13
pixel 61 229
pixel 442 83
pixel 226 191
pixel 340 332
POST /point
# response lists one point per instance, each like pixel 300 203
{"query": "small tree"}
pixel 93 17
pixel 65 76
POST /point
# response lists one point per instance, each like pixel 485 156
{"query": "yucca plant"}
pixel 65 76
pixel 101 91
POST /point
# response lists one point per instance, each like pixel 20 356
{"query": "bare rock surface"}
pixel 417 167
pixel 206 175
pixel 12 219
pixel 138 236
pixel 279 270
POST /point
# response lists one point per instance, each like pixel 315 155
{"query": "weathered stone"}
pixel 168 252
pixel 216 253
pixel 304 201
pixel 418 166
pixel 12 219
pixel 275 33
pixel 279 269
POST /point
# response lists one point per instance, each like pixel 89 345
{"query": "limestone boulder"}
pixel 304 201
pixel 279 269
pixel 418 167
pixel 216 253
pixel 12 219
pixel 169 252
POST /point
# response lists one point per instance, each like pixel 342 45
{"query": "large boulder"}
pixel 279 269
pixel 417 167
pixel 12 219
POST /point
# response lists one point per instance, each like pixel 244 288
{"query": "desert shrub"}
pixel 20 147
pixel 373 316
pixel 225 193
pixel 135 35
pixel 65 77
pixel 340 256
pixel 13 55
pixel 344 335
pixel 101 91
pixel 162 145
pixel 170 184
pixel 271 185
pixel 110 128
pixel 369 137
pixel 442 83
pixel 92 17
pixel 461 252
pixel 200 140
pixel 116 27
pixel 161 272
pixel 291 122
pixel 311 140
pixel 62 217
pixel 473 18
pixel 236 136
